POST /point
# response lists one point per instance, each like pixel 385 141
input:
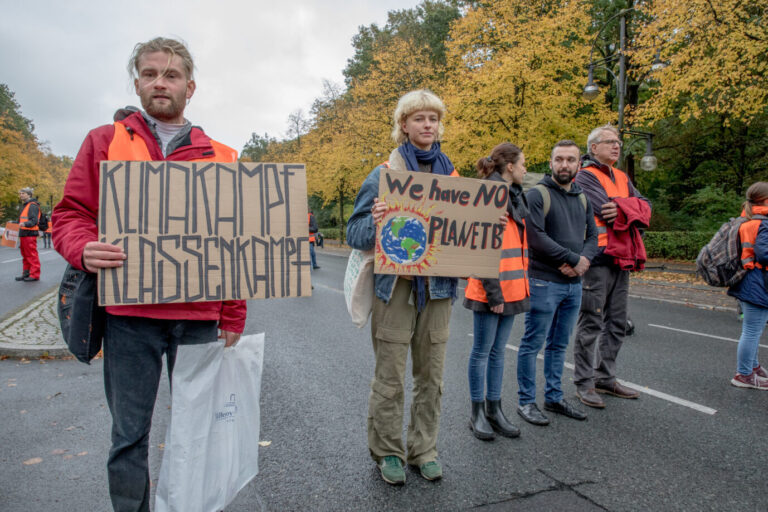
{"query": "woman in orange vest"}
pixel 495 302
pixel 751 291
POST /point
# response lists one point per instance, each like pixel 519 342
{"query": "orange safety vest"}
pixel 24 217
pixel 748 235
pixel 513 268
pixel 311 235
pixel 618 189
pixel 125 147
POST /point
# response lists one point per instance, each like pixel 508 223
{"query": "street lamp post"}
pixel 591 90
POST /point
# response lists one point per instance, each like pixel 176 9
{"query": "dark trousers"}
pixel 133 352
pixel 601 327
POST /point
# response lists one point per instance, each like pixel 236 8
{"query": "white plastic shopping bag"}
pixel 211 448
pixel 358 286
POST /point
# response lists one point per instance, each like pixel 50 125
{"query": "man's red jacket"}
pixel 624 241
pixel 77 213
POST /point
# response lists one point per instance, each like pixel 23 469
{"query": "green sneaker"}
pixel 392 470
pixel 431 470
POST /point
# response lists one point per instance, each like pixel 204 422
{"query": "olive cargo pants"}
pixel 396 327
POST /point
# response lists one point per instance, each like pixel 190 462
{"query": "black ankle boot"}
pixel 479 424
pixel 24 274
pixel 498 421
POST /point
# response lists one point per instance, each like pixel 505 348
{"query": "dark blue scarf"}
pixel 412 155
pixel 441 164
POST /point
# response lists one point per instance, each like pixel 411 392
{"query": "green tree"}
pixel 255 149
pixel 10 111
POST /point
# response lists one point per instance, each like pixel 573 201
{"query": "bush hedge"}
pixel 331 233
pixel 675 245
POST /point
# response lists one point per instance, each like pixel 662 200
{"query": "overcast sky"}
pixel 256 61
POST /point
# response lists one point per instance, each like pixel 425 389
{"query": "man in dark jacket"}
pixel 137 335
pixel 603 317
pixel 562 240
pixel 28 231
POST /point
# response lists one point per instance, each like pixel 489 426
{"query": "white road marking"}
pixel 641 389
pixel 698 334
pixel 40 254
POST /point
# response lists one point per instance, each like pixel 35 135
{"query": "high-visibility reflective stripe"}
pixel 747 260
pixel 511 253
pixel 601 230
pixel 509 275
pixel 746 244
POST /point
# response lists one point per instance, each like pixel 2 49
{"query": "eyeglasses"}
pixel 612 142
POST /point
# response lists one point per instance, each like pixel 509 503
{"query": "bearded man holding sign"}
pixel 138 335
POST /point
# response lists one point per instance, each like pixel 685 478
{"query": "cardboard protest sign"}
pixel 10 235
pixel 440 225
pixel 204 231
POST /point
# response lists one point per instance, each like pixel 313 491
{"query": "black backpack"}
pixel 42 223
pixel 719 262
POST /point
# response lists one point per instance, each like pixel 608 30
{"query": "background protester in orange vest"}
pixel 751 291
pixel 137 336
pixel 312 238
pixel 28 231
pixel 408 312
pixel 495 302
pixel 46 228
pixel 562 240
pixel 605 287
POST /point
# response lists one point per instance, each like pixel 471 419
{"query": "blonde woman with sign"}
pixel 408 312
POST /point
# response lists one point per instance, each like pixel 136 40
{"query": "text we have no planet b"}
pixel 440 225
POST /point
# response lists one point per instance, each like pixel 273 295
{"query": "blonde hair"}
pixel 161 44
pixel 421 99
pixel 756 194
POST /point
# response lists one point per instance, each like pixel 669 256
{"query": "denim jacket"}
pixel 361 234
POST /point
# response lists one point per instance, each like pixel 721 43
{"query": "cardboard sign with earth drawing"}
pixel 440 225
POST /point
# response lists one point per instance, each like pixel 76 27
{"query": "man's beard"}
pixel 562 178
pixel 167 112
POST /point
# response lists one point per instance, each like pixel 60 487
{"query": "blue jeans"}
pixel 312 256
pixel 133 363
pixel 486 361
pixel 752 327
pixel 554 310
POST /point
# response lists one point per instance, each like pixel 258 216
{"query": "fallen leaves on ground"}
pixel 670 277
pixel 265 443
pixel 58 451
pixel 33 460
pixel 23 411
pixel 82 453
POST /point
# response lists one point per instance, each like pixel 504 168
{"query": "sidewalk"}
pixel 34 330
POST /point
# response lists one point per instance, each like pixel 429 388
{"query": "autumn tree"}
pixel 256 148
pixel 517 70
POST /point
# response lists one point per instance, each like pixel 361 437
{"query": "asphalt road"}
pixel 15 294
pixel 691 442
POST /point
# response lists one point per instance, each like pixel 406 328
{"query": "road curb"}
pixel 14 351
